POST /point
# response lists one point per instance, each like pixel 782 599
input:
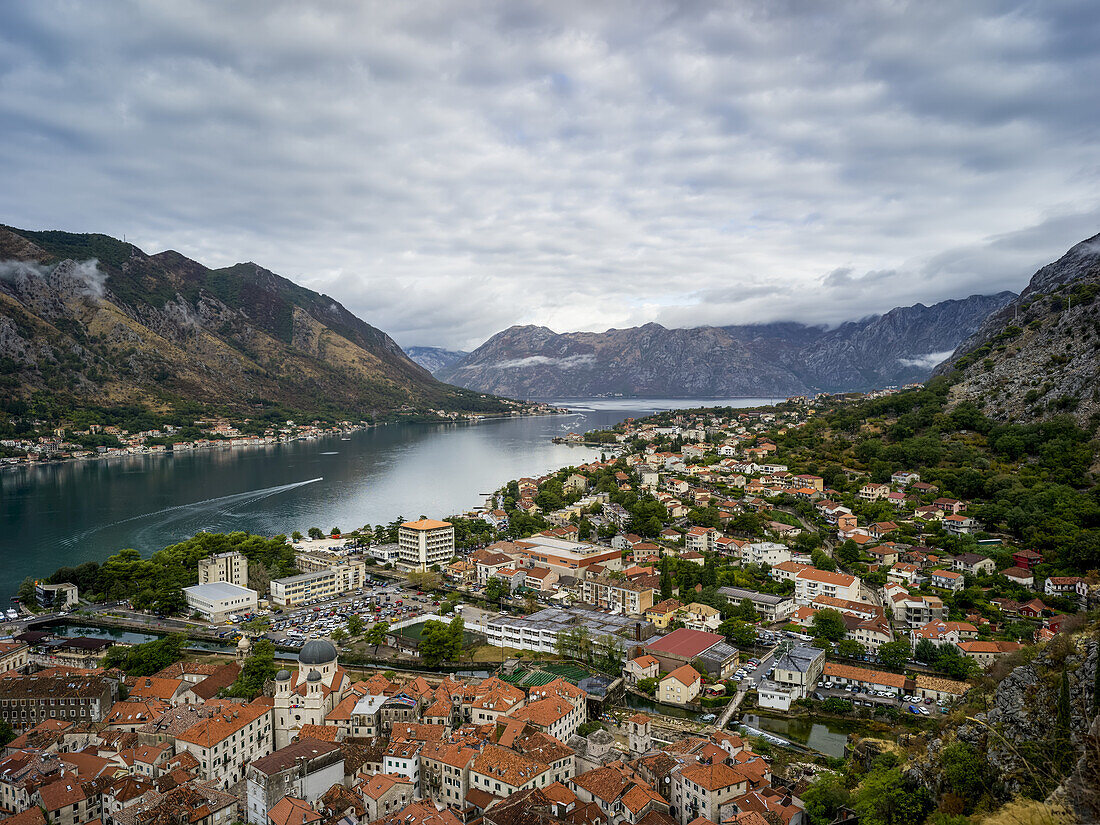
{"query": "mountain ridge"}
pixel 1039 355
pixel 86 319
pixel 775 359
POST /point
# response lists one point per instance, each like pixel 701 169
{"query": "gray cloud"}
pixel 448 170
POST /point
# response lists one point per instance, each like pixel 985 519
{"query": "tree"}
pixel 338 635
pixel 850 648
pixel 848 552
pixel 738 632
pixel 885 798
pixel 258 668
pixel 296 536
pixel 828 624
pixel 315 533
pixel 377 634
pixel 335 531
pixel 441 642
pixel 666 584
pixel 496 589
pixel 355 624
pixel 894 655
pixel 927 651
pixel 647 686
pixel 425 579
pixel 144 659
pixel 26 594
pixel 824 798
pixel 257 626
pixel 822 561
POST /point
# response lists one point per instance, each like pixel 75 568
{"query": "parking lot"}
pixel 377 602
pixel 862 697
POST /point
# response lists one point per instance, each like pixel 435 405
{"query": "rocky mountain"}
pixel 1039 355
pixel 433 359
pixel 776 359
pixel 92 320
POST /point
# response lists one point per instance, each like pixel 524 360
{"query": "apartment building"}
pixel 770 553
pixel 303 769
pixel 770 608
pixel 228 741
pixel 25 701
pixel 503 772
pixel 425 542
pixel 304 588
pixel 224 567
pixel 703 790
pixel 811 583
pixel 680 687
pixel 632 596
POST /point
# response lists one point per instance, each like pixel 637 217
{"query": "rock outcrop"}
pixel 1039 355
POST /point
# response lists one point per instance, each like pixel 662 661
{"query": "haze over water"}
pixel 67 513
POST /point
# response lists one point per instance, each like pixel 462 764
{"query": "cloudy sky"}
pixel 447 169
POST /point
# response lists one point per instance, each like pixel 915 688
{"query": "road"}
pixel 748 683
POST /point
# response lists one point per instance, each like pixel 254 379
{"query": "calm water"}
pixel 64 514
pixel 827 736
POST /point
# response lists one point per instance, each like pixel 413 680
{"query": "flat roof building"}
pixel 539 631
pixel 425 542
pixel 217 601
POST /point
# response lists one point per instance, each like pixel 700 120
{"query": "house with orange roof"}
pixel 680 687
pixel 643 667
pixel 501 772
pixel 986 653
pixel 383 794
pixel 291 811
pixel 810 583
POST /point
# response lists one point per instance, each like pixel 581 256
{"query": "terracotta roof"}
pixel 210 732
pixel 507 766
pixel 713 777
pixel 380 783
pixel 685 675
pixel 878 677
pixel 420 813
pixel 426 524
pixel 291 811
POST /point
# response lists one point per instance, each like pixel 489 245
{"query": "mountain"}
pixel 89 320
pixel 433 359
pixel 776 359
pixel 1039 355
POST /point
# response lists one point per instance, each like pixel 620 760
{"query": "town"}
pixel 582 649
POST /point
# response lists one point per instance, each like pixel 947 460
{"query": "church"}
pixel 308 695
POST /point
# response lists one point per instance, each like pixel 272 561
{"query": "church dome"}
pixel 283 675
pixel 317 652
pixel 244 643
pixel 314 676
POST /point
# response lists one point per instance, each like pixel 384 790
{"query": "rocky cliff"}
pixel 1039 355
pixel 778 359
pixel 91 320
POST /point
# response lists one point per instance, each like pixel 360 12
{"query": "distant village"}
pixel 67 443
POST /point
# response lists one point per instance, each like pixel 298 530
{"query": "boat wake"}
pixel 220 505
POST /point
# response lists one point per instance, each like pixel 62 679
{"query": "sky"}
pixel 448 169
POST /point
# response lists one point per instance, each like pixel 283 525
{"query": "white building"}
pixel 770 553
pixel 425 542
pixel 216 601
pixel 811 583
pixel 318 584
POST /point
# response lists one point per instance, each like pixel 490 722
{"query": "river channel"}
pixel 70 512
